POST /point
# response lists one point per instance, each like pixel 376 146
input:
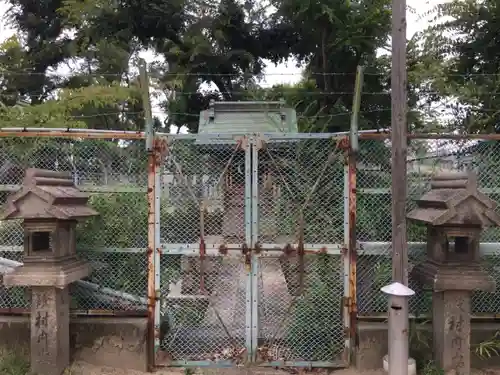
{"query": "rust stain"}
pixel 343 143
pixel 150 254
pixel 161 149
pixel 257 248
pixel 203 252
pixel 247 254
pixel 353 255
pixel 72 135
pixel 223 249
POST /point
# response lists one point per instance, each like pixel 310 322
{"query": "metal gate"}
pixel 252 237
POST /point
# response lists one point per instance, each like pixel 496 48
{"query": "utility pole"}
pixel 399 293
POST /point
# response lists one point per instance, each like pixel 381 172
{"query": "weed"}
pixel 488 348
pixel 13 363
pixel 430 368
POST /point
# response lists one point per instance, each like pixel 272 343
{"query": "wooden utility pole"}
pixel 398 303
pixel 399 143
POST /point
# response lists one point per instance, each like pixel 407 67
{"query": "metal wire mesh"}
pixel 114 172
pixel 202 210
pixel 425 157
pixel 296 178
pixel 201 179
pixel 300 322
pixel 203 308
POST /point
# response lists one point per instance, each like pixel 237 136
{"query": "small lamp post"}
pixel 398 362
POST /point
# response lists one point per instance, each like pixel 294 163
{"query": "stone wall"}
pixel 101 341
pixel 372 343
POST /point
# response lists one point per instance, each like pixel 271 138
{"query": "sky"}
pixel 282 73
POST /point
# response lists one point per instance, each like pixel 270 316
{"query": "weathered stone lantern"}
pixel 455 213
pixel 50 205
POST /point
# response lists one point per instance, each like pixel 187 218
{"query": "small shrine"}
pixel 455 213
pixel 50 206
pixel 237 119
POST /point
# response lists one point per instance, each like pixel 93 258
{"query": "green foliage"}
pixel 312 332
pixel 13 362
pixel 430 368
pixel 121 223
pixel 489 348
pixel 64 111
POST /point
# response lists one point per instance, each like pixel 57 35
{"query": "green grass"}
pixel 13 362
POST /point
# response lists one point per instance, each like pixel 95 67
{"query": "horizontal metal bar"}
pixel 44 133
pixel 382 316
pixel 331 248
pixel 71 130
pixel 121 250
pixel 267 250
pixel 77 312
pixel 93 288
pixel 205 136
pixel 307 364
pixel 383 248
pixel 193 249
pixel 215 364
pixel 89 189
pixel 436 136
pixel 364 248
pixel 304 136
pixel 375 191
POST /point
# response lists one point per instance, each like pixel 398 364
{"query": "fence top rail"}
pixel 386 135
pixel 374 134
pixel 70 133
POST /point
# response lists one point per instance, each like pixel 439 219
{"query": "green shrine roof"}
pixel 248 117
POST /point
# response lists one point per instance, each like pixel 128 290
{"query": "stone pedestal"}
pixel 49 330
pixel 451 329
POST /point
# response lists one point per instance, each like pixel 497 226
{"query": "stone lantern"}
pixel 49 205
pixel 455 213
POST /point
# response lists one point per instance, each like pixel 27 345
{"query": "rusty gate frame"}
pixel 157 146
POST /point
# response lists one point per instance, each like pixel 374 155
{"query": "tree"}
pixel 462 54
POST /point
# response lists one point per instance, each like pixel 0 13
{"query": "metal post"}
pixel 146 104
pixel 253 241
pixel 398 322
pixel 152 205
pixel 398 339
pixel 350 262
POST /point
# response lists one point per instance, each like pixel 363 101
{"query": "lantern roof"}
pixel 248 117
pixel 454 200
pixel 47 194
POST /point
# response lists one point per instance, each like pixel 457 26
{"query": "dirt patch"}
pixel 81 368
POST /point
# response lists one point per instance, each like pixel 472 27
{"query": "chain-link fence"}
pixel 425 157
pixel 235 204
pixel 113 170
pixel 251 265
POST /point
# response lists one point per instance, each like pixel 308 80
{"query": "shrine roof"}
pixel 47 194
pixel 455 200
